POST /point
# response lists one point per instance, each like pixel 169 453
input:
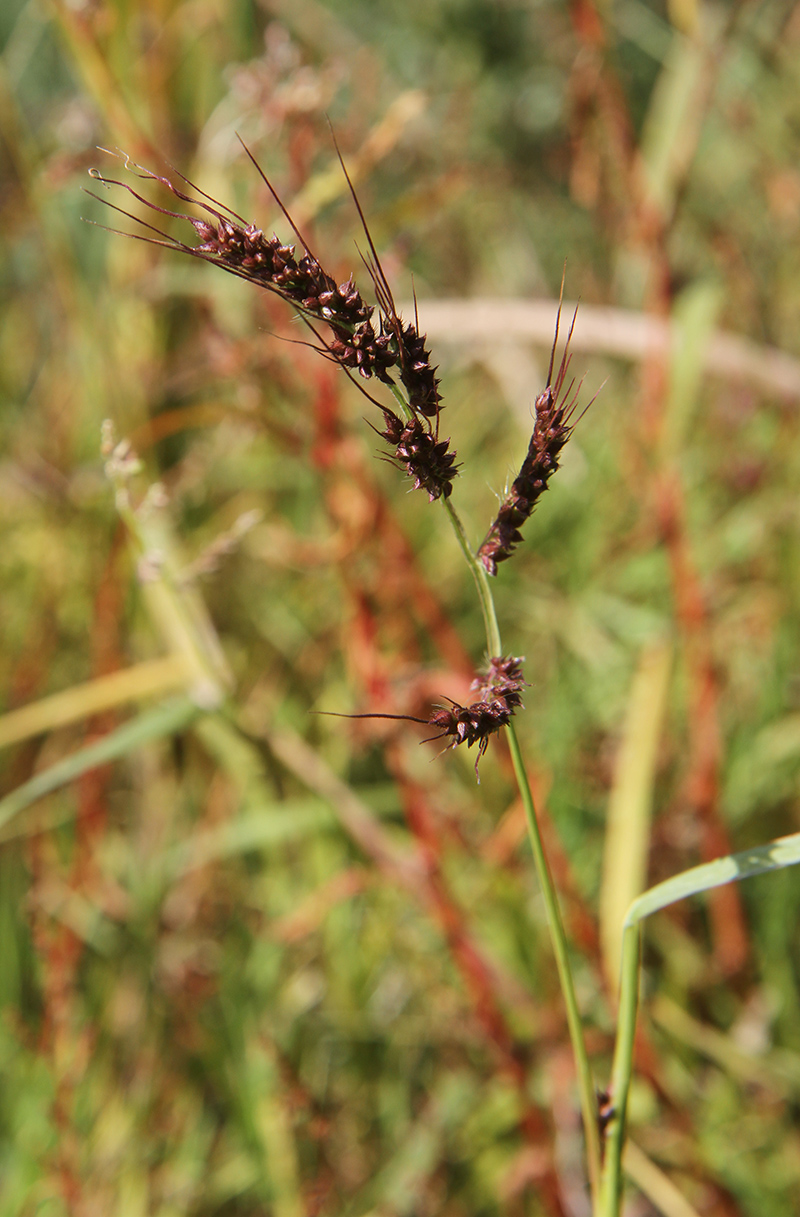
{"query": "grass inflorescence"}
pixel 255 963
pixel 354 341
pixel 226 240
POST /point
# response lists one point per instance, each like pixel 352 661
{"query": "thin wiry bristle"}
pixel 417 375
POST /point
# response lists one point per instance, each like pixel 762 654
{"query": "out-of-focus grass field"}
pixel 267 962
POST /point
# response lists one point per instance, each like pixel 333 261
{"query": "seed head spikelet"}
pixel 354 340
pixel 416 449
pixel 555 409
pixel 416 373
pixel 498 693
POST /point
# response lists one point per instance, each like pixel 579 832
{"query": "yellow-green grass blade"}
pixel 154 676
pixel 655 1185
pixel 784 851
pixel 153 724
pixel 627 835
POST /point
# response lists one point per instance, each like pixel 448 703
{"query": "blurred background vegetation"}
pixel 261 961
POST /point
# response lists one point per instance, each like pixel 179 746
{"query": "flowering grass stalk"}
pixel 558 938
pixel 392 352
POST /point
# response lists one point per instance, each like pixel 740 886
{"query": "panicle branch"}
pixel 498 693
pixel 555 409
pixel 355 341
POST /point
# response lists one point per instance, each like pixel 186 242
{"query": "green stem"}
pixel 611 1192
pixel 399 396
pixel 557 935
pixel 481 582
pixel 560 950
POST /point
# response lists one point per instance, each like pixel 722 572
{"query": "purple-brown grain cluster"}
pixel 391 348
pixel 498 693
pixel 376 343
pixel 553 426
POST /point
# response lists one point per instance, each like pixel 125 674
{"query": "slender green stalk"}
pixel 400 398
pixel 478 572
pixel 559 940
pixel 481 582
pixel 557 935
pixel 611 1188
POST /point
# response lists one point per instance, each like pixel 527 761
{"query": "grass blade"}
pixel 152 725
pixel 628 822
pixel 785 851
pixel 155 676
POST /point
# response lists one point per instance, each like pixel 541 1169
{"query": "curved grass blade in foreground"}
pixel 783 852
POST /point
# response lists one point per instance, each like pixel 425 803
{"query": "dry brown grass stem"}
pixel 606 331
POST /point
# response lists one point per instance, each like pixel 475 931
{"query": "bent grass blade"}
pixel 775 855
pixel 152 725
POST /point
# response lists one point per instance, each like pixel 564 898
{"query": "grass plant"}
pixel 256 959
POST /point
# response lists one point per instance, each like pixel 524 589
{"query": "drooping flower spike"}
pixel 242 249
pixel 416 373
pixel 227 240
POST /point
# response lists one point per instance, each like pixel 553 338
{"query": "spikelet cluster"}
pixel 375 342
pixel 498 693
pixel 554 409
pixel 416 449
pixel 418 377
pixel 354 339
